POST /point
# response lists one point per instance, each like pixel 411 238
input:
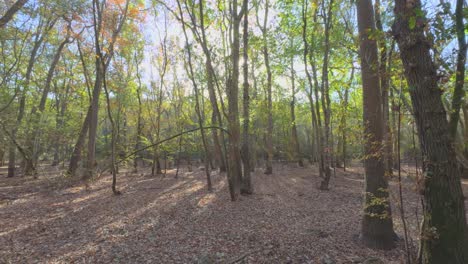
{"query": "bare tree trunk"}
pixel 76 155
pixel 139 120
pixel 266 57
pixel 11 12
pixel 113 137
pixel 246 187
pixel 314 109
pixel 326 105
pixel 197 103
pixel 377 224
pixel 216 118
pixel 444 234
pixel 385 86
pixel 234 164
pixel 459 92
pixel 61 105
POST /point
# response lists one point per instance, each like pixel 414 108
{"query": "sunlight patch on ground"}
pixel 205 200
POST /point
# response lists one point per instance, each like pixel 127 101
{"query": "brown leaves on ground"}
pixel 167 220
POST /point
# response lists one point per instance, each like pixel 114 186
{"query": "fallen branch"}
pixel 162 141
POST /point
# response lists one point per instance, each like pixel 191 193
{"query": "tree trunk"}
pixel 246 187
pixel 377 224
pixel 314 109
pixel 76 155
pixel 444 237
pixel 269 130
pixel 294 138
pixel 36 113
pixel 197 104
pixel 459 92
pixel 385 85
pixel 234 164
pixel 11 12
pixel 22 97
pixel 216 118
pixel 326 105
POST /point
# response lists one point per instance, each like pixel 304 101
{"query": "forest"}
pixel 233 131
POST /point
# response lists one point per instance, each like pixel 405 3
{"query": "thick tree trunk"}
pixel 444 237
pixel 234 164
pixel 377 224
pixel 76 155
pixel 93 122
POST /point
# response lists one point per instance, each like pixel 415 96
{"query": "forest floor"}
pixel 167 220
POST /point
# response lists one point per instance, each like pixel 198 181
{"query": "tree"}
pixel 102 62
pixel 246 180
pixel 234 164
pixel 444 237
pixel 266 57
pixel 11 12
pixel 377 225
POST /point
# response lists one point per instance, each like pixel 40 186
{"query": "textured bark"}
pixel 444 231
pixel 377 225
pixel 11 12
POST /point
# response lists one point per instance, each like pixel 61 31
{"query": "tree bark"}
pixel 459 92
pixel 444 231
pixel 385 86
pixel 266 57
pixel 377 225
pixel 11 12
pixel 246 187
pixel 326 105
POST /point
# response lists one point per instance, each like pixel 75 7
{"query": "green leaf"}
pixel 412 22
